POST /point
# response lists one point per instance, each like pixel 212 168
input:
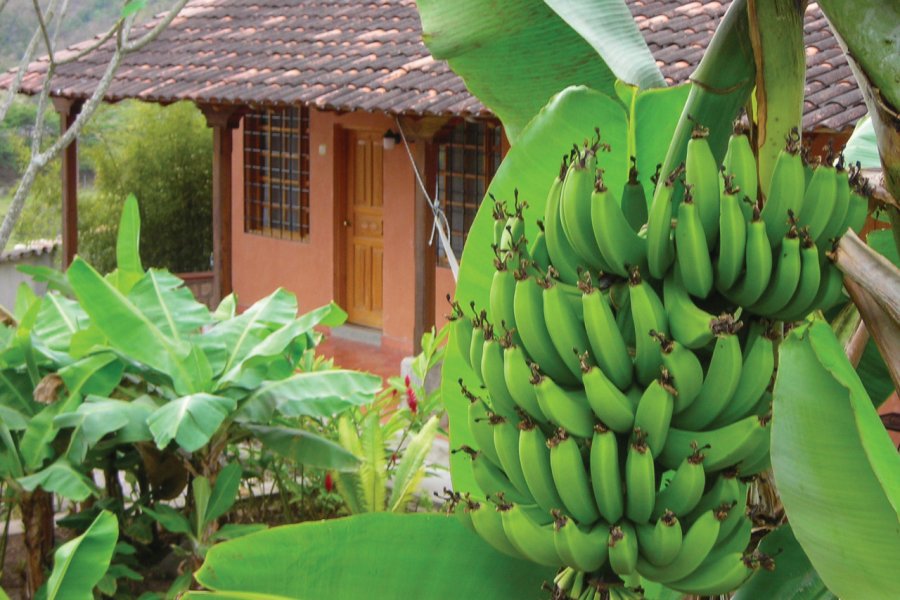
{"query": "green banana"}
pixel 727 492
pixel 565 329
pixel 491 480
pixel 537 252
pixel 492 374
pixel 581 548
pixel 720 382
pixel 784 280
pixel 513 234
pixel 692 251
pixel 623 549
pixel 606 479
pixel 506 443
pixel 857 213
pixel 460 329
pixel 575 206
pixel 841 204
pixel 571 478
pixel 660 543
pixel 756 374
pixel 716 576
pixel 819 200
pixel 498 212
pixel 640 480
pixel 488 525
pixel 831 289
pixel 502 293
pixel 476 347
pixel 619 244
pixel 682 366
pixel 801 303
pixel 737 540
pixel 479 424
pixel 727 446
pixel 534 456
pixel 654 412
pixel 649 315
pixel 696 545
pixel 660 246
pixel 733 237
pixel 528 305
pixel 517 375
pixel 564 408
pixel 533 541
pixel 784 192
pixel 702 177
pixel 634 201
pixel 691 325
pixel 741 164
pixel 685 488
pixel 757 263
pixel 560 251
pixel 605 339
pixel 611 406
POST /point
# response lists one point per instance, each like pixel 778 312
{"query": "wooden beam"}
pixel 223 120
pixel 68 110
pixel 425 259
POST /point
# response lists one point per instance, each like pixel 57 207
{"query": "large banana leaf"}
pixel 79 564
pixel 531 166
pixel 837 471
pixel 304 448
pixel 375 556
pixel 168 304
pixel 191 420
pixel 515 54
pixel 61 479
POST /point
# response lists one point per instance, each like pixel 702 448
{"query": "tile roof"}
pixel 368 54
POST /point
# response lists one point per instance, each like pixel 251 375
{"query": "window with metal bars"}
pixel 468 155
pixel 276 173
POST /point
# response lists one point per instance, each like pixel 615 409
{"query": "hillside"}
pixel 85 19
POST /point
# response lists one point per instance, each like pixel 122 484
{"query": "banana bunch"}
pixel 619 398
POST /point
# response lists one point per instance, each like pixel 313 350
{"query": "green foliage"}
pixel 80 564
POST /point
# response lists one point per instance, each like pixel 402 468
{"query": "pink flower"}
pixel 411 400
pixel 329 482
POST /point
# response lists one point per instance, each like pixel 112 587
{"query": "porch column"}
pixel 68 110
pixel 425 256
pixel 223 120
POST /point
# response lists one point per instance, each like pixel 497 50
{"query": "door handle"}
pixel 346 223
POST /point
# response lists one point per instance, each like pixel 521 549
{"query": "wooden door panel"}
pixel 364 228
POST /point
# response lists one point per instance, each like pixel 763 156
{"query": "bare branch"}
pixel 114 30
pixel 884 330
pixel 3 5
pixel 42 26
pixel 157 29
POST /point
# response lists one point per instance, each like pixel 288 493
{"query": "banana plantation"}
pixel 672 329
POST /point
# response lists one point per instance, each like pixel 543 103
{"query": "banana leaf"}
pixel 374 556
pixel 793 576
pixel 190 420
pixel 836 469
pixel 514 55
pixel 79 564
pixel 304 448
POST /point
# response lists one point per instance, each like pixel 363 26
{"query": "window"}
pixel 468 155
pixel 276 173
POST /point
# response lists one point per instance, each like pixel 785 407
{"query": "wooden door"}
pixel 363 228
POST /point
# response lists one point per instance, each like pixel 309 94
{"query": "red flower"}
pixel 407 382
pixel 329 482
pixel 412 401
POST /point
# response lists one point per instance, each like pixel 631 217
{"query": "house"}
pixel 312 188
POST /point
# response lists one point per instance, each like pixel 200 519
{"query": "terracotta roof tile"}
pixel 368 54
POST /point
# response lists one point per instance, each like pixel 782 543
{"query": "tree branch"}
pixel 157 29
pixel 884 330
pixel 42 26
pixel 871 271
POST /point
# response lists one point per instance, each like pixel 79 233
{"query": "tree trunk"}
pixel 37 519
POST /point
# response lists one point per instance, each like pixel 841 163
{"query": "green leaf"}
pixel 97 417
pixel 793 576
pixel 530 166
pixel 837 471
pixel 128 250
pixel 58 319
pixel 54 278
pixel 98 374
pixel 319 394
pixel 62 479
pixel 348 483
pixel 514 55
pixel 202 490
pixel 862 147
pixel 168 304
pixel 373 465
pixel 373 556
pixel 224 493
pixel 130 8
pixel 169 518
pixel 80 564
pixel 190 420
pixel 128 329
pixel 35 446
pixel 609 27
pixel 227 308
pixel 12 418
pixel 232 531
pixel 304 448
pixel 411 468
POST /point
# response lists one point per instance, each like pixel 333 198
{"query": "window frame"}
pixel 492 147
pixel 279 166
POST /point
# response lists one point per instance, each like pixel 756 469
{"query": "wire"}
pixel 440 225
